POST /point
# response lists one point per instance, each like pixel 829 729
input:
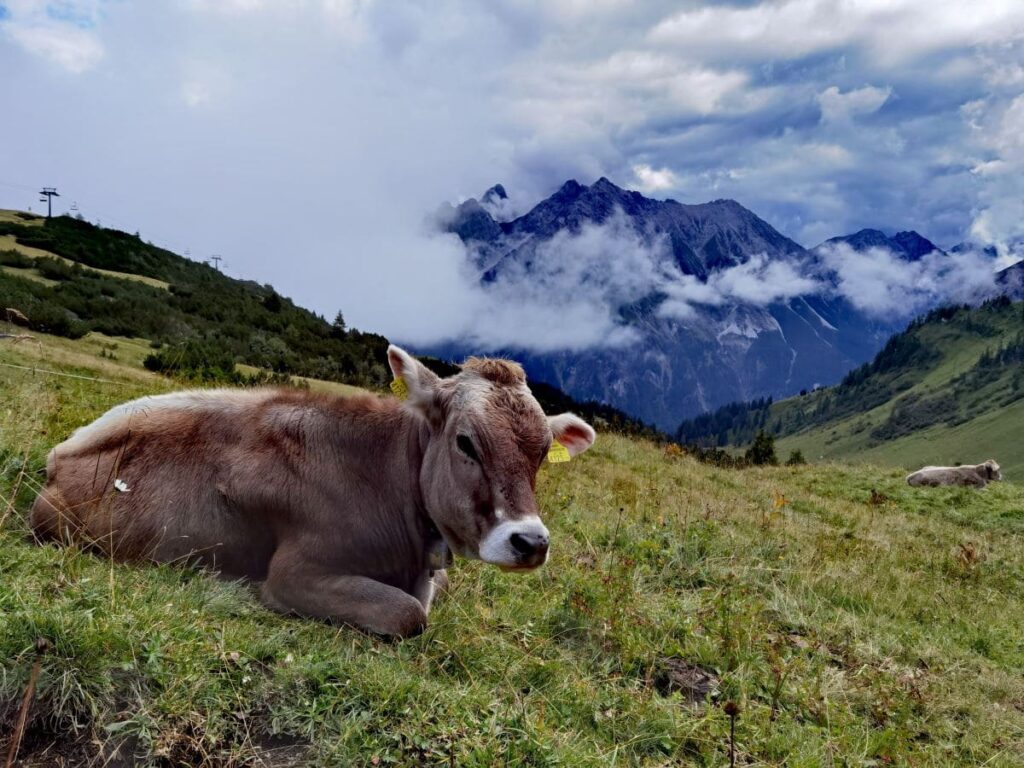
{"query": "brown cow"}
pixel 977 475
pixel 342 507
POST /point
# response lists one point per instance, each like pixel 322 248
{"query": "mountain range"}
pixel 735 310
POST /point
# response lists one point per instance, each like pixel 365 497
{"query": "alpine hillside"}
pixel 950 389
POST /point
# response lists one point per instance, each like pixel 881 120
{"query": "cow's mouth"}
pixel 524 568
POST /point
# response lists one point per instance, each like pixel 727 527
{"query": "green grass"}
pixel 316 385
pixel 28 273
pixel 848 633
pixel 8 216
pixel 10 243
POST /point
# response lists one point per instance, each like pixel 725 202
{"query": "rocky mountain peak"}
pixel 494 194
pixel 909 245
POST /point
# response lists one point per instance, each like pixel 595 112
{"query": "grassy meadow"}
pixel 10 243
pixel 843 617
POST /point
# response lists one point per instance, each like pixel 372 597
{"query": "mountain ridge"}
pixel 909 244
pixel 682 365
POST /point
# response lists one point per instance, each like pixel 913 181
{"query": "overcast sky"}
pixel 307 140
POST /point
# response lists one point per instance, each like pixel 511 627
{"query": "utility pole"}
pixel 48 194
pixel 217 259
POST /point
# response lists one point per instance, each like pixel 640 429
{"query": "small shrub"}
pixel 194 360
pixel 762 451
pixel 55 269
pixel 17 259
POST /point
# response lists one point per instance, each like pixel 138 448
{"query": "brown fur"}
pixel 496 370
pixel 331 502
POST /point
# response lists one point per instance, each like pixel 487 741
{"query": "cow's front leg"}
pixel 295 586
pixel 431 587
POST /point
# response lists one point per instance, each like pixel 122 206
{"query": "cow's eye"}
pixel 466 446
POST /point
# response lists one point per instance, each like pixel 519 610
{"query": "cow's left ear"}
pixel 572 432
pixel 416 383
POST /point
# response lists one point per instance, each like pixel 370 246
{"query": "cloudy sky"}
pixel 307 140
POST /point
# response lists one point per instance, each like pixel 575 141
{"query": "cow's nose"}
pixel 529 544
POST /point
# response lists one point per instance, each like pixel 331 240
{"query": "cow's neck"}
pixel 438 555
pixel 389 446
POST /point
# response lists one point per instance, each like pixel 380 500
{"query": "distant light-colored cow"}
pixel 342 507
pixel 978 475
pixel 16 316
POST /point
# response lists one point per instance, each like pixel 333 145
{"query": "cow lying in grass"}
pixel 342 507
pixel 978 475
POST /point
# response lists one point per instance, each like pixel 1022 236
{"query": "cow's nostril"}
pixel 529 545
pixel 522 544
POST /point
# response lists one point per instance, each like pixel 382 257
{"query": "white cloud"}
pixel 759 281
pixel 879 282
pixel 626 90
pixel 837 106
pixel 649 179
pixel 62 33
pixel 75 50
pixel 891 31
pixel 997 128
pixel 570 294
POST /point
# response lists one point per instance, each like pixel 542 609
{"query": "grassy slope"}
pixel 10 243
pixel 850 634
pixel 316 385
pixel 8 216
pixel 993 433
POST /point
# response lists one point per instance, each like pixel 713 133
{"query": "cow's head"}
pixel 489 437
pixel 992 470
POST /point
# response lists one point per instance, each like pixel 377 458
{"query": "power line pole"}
pixel 48 194
pixel 218 260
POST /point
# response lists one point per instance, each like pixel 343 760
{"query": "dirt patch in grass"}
pixel 694 683
pixel 43 744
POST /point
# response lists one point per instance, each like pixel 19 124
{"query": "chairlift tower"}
pixel 46 196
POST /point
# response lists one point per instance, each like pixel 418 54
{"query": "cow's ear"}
pixel 572 432
pixel 413 382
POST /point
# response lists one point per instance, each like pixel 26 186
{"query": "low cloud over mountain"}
pixel 671 309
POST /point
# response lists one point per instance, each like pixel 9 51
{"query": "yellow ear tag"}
pixel 398 387
pixel 558 453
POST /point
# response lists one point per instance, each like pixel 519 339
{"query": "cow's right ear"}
pixel 420 383
pixel 572 432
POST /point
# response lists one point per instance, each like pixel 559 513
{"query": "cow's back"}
pixel 149 480
pixel 940 476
